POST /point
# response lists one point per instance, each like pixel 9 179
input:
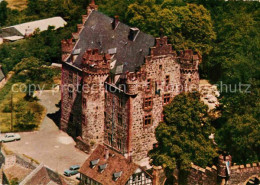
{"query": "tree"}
pixel 239 128
pixel 3 12
pixel 187 26
pixel 240 137
pixel 183 137
pixel 28 64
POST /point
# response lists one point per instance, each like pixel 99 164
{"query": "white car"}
pixel 10 137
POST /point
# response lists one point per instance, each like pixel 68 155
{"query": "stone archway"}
pixel 253 180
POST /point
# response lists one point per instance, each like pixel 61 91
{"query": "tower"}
pixel 96 69
pixel 189 62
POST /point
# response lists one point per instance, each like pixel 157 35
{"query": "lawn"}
pixel 17 4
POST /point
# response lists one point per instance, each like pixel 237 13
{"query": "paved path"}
pixel 49 145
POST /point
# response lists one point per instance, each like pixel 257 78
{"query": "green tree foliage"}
pixel 235 60
pixel 188 26
pixel 236 53
pixel 183 137
pixel 117 7
pixel 3 12
pixel 238 128
pixel 28 64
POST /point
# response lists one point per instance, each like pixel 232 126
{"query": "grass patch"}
pixel 27 115
pixel 27 112
pixel 17 4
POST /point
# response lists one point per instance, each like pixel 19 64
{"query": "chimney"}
pixel 92 6
pixel 133 33
pixel 115 22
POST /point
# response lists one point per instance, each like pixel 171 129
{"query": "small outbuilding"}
pixel 17 32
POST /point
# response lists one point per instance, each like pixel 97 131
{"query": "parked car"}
pixel 73 170
pixel 10 137
pixel 75 167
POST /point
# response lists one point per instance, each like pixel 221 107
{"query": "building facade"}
pixel 116 81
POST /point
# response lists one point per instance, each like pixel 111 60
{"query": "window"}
pixel 167 80
pixel 71 118
pixel 83 119
pixel 110 139
pixel 70 93
pixel 148 84
pixel 119 144
pixel 166 98
pixel 84 102
pixel 70 77
pixel 148 103
pixel 160 67
pixel 120 102
pixel 120 119
pixel 147 120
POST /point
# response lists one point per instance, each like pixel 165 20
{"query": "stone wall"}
pixel 94 108
pixel 239 175
pixel 71 106
pixel 198 175
pixel 155 69
pixel 116 119
pixel 25 162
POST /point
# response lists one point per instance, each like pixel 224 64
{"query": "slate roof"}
pixel 116 163
pixel 98 33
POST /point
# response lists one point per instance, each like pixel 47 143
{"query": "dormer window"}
pixel 133 33
pixel 117 175
pixel 101 168
pixel 94 163
pixel 76 52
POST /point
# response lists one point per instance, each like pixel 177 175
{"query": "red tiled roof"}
pixel 16 172
pixel 115 163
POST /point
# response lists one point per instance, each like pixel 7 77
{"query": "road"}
pixel 49 145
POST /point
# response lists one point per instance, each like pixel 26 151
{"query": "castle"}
pixel 116 81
